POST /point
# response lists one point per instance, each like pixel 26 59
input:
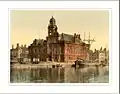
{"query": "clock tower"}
pixel 53 36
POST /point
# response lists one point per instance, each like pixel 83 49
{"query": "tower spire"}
pixel 52 21
pixel 52 27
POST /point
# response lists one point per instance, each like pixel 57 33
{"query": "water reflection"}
pixel 60 75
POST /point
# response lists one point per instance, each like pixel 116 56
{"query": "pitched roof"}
pixel 66 37
pixel 38 42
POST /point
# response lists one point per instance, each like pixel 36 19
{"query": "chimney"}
pixel 17 45
pixel 74 34
pixel 79 36
pixel 25 46
pixel 21 46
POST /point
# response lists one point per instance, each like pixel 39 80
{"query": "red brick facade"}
pixel 72 51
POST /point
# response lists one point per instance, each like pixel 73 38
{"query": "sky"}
pixel 26 25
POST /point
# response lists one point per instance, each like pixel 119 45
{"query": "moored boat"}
pixel 78 63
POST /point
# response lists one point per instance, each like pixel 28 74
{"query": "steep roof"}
pixel 66 37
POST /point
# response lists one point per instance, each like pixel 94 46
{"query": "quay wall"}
pixel 40 65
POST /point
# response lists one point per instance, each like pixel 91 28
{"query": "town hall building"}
pixel 58 47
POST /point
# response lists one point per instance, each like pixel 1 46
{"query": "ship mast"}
pixel 89 40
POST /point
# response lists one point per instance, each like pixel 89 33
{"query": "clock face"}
pixel 52 26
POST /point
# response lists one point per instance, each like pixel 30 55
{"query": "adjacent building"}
pixel 19 54
pixel 90 56
pixel 38 50
pixel 104 55
pixel 99 56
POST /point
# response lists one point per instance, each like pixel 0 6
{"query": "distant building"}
pixel 96 55
pixel 101 55
pixel 90 56
pixel 107 56
pixel 19 54
pixel 14 54
pixel 24 54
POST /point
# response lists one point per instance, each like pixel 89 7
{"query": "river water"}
pixel 60 75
